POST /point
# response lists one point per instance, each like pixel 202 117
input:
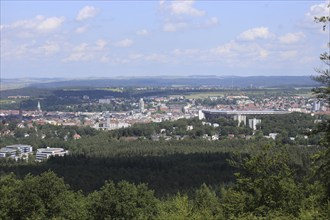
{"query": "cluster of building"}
pixel 16 152
pixel 284 103
pixel 158 109
pixel 22 152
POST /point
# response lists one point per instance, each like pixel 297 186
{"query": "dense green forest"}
pixel 108 173
pixel 267 187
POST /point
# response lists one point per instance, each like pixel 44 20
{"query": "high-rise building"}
pixel 316 106
pixel 39 107
pixel 141 105
pixel 240 119
pixel 201 115
pixel 253 123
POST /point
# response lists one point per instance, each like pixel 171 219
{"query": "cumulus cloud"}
pixel 124 43
pixel 80 53
pixel 30 50
pixel 87 12
pixel 50 24
pixel 172 27
pixel 185 52
pixel 235 53
pixel 213 21
pixel 185 25
pixel 142 32
pixel 153 57
pixel 185 8
pixel 81 29
pixel 233 48
pixel 255 33
pixel 291 54
pixel 182 15
pixel 88 51
pixel 50 47
pixel 321 9
pixel 38 23
pixel 156 57
pixel 263 54
pixel 101 44
pixel 291 38
pixel 316 10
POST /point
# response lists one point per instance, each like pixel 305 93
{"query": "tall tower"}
pixel 141 105
pixel 39 107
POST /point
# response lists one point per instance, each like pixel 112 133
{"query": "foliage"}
pixel 39 197
pixel 123 201
pixel 268 184
pixel 323 93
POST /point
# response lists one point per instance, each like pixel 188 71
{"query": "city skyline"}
pixel 152 38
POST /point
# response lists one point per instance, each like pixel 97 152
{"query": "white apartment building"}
pixel 253 123
pixel 16 151
pixel 45 153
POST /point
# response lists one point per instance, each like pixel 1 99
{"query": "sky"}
pixel 76 39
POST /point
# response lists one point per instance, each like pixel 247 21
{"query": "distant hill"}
pixel 224 82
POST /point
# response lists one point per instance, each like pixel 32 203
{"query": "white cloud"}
pixel 185 8
pixel 88 52
pixel 255 33
pixel 80 52
pixel 263 54
pixel 104 59
pixel 50 47
pixel 213 21
pixel 135 56
pixel 38 23
pixel 124 43
pixel 87 12
pixel 172 27
pixel 30 50
pixel 185 25
pixel 15 52
pixel 291 54
pixel 82 29
pixel 154 57
pixel 183 15
pixel 81 47
pixel 50 24
pixel 78 56
pixel 185 52
pixel 236 53
pixel 101 44
pixel 316 10
pixel 291 38
pixel 142 32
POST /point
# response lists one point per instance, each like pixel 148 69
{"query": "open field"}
pixel 259 92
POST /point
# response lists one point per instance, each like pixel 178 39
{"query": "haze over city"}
pixel 151 38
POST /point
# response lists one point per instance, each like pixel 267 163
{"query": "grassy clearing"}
pixel 203 95
pixel 111 89
pixel 7 101
pixel 83 89
pixel 262 92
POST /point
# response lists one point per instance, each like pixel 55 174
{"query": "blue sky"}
pixel 149 38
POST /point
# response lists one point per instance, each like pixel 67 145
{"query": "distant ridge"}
pixel 194 80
